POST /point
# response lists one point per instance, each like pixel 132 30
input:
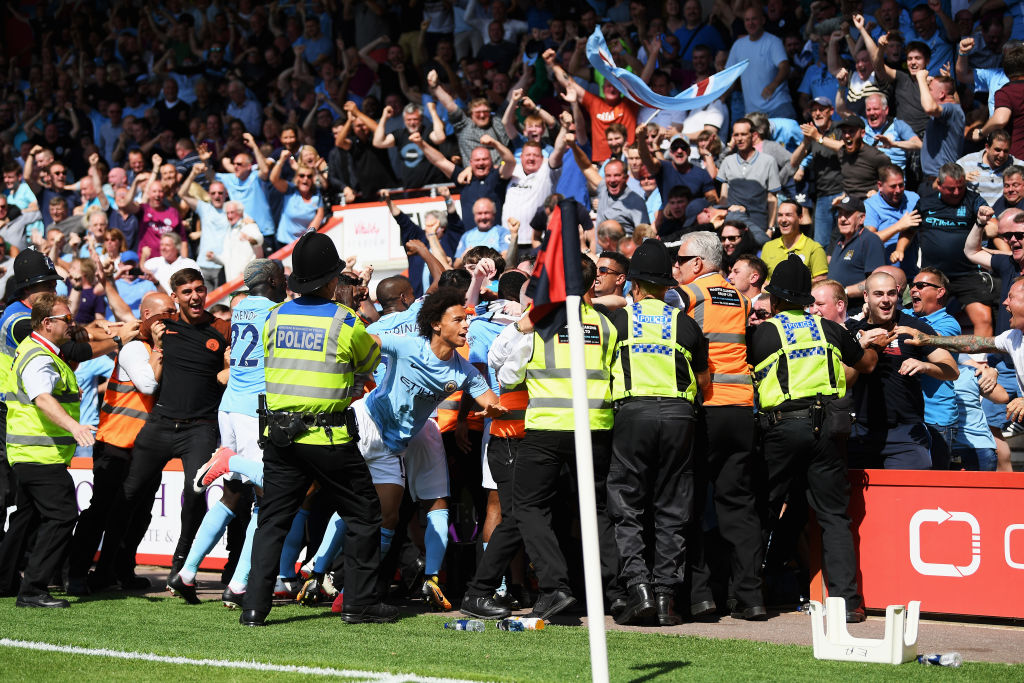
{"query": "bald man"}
pixel 131 388
pixel 890 431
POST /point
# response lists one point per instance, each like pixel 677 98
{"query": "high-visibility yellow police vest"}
pixel 312 355
pixel 31 436
pixel 548 381
pixel 813 365
pixel 649 353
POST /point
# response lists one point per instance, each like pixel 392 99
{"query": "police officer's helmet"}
pixel 32 267
pixel 315 261
pixel 791 281
pixel 652 263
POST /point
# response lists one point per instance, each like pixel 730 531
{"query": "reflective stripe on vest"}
pixel 646 361
pixel 805 365
pixel 124 410
pixel 512 425
pixel 550 398
pixel 31 436
pixel 311 362
pixel 722 314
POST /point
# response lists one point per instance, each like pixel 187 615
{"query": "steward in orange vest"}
pixel 724 446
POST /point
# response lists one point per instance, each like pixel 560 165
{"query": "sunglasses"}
pixel 604 270
pixel 68 320
pixel 762 314
pixel 1019 236
pixel 730 238
pixel 921 284
pixel 304 175
pixel 680 260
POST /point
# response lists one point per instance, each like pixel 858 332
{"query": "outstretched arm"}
pixel 964 343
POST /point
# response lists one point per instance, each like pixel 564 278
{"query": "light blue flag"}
pixel 629 84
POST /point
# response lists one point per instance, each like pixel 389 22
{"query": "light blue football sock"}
pixel 435 540
pixel 333 543
pixel 214 523
pixel 250 468
pixel 293 545
pixel 240 578
pixel 386 536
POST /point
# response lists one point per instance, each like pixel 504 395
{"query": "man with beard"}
pixel 890 430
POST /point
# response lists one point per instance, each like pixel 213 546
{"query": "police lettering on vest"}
pixel 312 354
pixel 646 360
pixel 805 366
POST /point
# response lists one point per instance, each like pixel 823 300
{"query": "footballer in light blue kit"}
pixel 239 428
pixel 422 369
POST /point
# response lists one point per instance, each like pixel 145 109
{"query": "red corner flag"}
pixel 557 272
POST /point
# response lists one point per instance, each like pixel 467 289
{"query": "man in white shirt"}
pixel 533 180
pixel 169 261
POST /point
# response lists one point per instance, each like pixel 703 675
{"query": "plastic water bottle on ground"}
pixel 465 625
pixel 949 659
pixel 521 624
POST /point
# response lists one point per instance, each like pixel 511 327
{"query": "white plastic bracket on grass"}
pixel 897 646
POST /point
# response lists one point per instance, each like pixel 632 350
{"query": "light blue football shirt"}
pixel 246 380
pixel 414 385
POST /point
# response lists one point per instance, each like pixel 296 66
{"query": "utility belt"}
pixel 828 416
pixel 282 427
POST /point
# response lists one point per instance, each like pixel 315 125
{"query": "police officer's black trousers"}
pixel 793 452
pixel 345 480
pixel 651 478
pixel 724 458
pixel 538 465
pixel 505 539
pixel 50 491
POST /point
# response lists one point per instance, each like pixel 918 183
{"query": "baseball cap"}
pixel 129 256
pixel 823 101
pixel 852 122
pixel 850 204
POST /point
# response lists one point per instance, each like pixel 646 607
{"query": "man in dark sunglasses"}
pixel 928 294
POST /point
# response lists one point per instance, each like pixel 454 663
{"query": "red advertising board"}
pixel 953 540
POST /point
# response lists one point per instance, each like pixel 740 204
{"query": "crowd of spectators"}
pixel 864 137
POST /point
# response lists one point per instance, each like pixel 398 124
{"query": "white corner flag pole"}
pixel 588 501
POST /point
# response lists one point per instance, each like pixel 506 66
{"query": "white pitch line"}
pixel 227 663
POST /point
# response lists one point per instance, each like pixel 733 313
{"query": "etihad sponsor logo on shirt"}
pixel 300 338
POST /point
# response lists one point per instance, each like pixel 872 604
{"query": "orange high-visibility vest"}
pixel 722 314
pixel 513 424
pixel 448 410
pixel 124 411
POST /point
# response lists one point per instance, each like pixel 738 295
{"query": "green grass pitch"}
pixel 416 644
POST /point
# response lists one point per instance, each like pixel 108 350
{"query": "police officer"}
pixel 314 347
pixel 798 363
pixel 42 432
pixel 549 443
pixel 661 360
